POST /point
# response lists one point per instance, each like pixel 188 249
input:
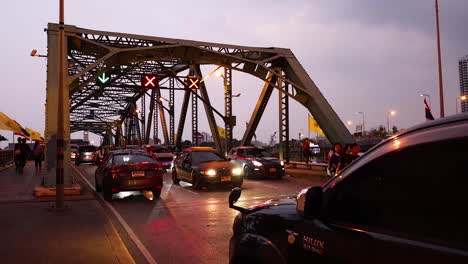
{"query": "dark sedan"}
pixel 128 170
pixel 161 154
pixel 257 162
pixel 204 166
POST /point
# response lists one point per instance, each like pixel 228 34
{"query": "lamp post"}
pixel 363 128
pixel 439 60
pixel 389 113
pixel 461 98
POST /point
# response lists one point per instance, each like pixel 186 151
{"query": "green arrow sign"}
pixel 103 78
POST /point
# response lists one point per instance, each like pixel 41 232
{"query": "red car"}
pixel 128 170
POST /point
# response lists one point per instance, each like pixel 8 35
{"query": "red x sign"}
pixel 193 82
pixel 149 81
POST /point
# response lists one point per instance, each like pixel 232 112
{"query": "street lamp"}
pixel 461 98
pixel 363 128
pixel 389 113
pixel 350 123
pixel 35 54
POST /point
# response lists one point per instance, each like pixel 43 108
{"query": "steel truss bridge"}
pixel 110 109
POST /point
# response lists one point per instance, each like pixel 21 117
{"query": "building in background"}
pixel 463 69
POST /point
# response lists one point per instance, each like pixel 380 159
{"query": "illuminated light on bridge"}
pixel 149 81
pixel 193 82
pixel 103 78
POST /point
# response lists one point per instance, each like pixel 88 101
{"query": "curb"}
pixel 75 189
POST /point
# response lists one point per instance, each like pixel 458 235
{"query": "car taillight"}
pixel 115 175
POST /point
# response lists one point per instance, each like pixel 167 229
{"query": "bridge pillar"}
pixel 52 93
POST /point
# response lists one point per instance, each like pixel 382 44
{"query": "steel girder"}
pixel 284 121
pixel 228 120
pixel 162 116
pixel 150 115
pixel 171 111
pixel 209 112
pixel 259 108
pixel 125 57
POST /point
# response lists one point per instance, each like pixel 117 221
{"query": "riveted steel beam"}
pixel 259 109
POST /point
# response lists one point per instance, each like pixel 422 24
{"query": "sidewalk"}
pixel 31 233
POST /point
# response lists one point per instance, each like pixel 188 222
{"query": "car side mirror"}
pixel 310 202
pixel 234 196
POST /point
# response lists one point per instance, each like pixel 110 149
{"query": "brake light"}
pixel 115 175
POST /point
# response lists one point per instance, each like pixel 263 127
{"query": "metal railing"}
pixel 6 157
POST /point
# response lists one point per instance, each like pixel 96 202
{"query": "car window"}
pixel 204 156
pixel 161 150
pixel 87 149
pixel 417 192
pixel 257 152
pixel 240 152
pixel 265 153
pixel 127 158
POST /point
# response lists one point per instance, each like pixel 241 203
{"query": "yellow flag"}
pixel 7 123
pixel 314 126
pixel 34 135
pixel 221 132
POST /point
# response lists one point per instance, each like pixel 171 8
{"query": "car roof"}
pixel 248 147
pixel 199 149
pixel 129 151
pixel 453 119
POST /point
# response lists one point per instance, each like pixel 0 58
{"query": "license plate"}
pixel 272 170
pixel 138 174
pixel 225 178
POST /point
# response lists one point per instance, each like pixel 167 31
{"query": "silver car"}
pixel 86 154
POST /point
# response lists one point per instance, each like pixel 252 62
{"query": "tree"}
pixel 394 130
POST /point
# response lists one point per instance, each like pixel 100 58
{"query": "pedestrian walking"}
pixel 306 150
pixel 17 154
pixel 38 155
pixel 21 152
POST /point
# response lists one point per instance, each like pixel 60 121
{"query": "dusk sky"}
pixel 370 56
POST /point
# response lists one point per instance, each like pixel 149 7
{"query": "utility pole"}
pixel 441 86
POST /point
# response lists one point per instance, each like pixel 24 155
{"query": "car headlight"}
pixel 236 171
pixel 210 172
pixel 257 164
pixel 282 163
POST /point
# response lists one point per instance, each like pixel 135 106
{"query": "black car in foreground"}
pixel 404 201
pixel 203 166
pixel 128 170
pixel 257 162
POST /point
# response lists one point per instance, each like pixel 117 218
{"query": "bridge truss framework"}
pixel 111 110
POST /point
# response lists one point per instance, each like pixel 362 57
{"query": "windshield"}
pixel 199 157
pixel 127 158
pixel 256 152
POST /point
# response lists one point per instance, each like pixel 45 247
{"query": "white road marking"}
pixel 127 228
